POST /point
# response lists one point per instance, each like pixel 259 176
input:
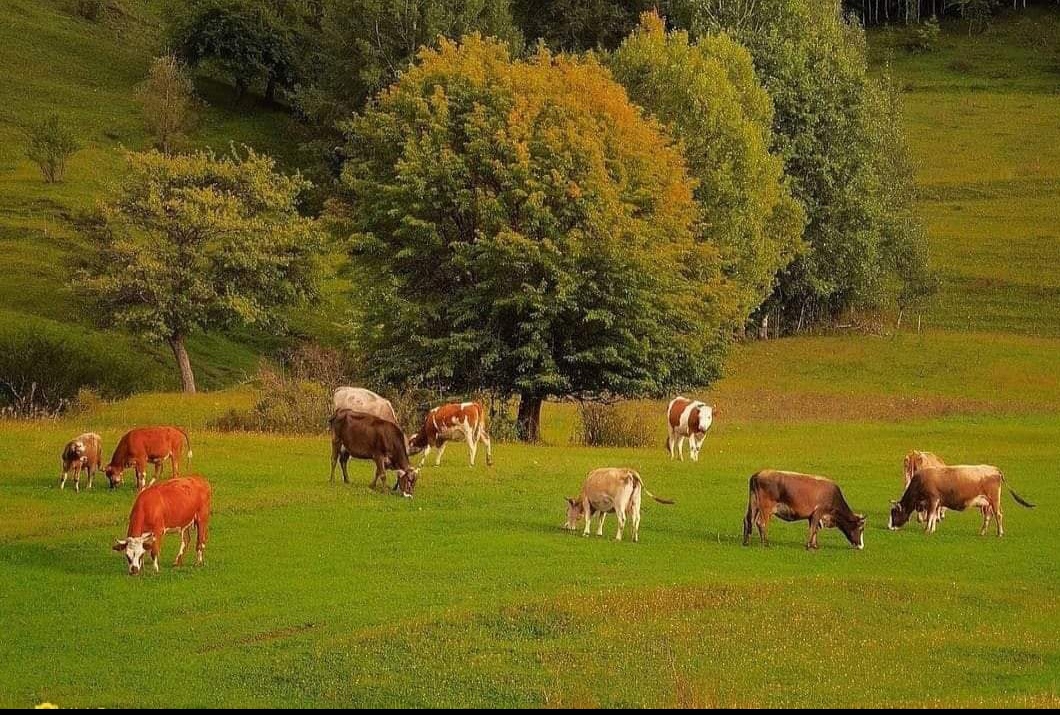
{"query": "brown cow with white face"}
pixel 957 487
pixel 364 436
pixel 455 421
pixel 800 497
pixel 82 453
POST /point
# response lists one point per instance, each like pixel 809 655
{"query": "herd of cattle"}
pixel 365 426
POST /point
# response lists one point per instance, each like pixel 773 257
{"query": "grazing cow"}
pixel 957 487
pixel 687 418
pixel 364 436
pixel 914 462
pixel 464 420
pixel 795 497
pixel 148 444
pixel 173 505
pixel 359 399
pixel 605 491
pixel 84 452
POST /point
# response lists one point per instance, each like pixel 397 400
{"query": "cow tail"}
pixel 640 482
pixel 187 442
pixel 1019 500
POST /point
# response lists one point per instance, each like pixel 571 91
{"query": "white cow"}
pixel 362 400
pixel 691 419
pixel 606 491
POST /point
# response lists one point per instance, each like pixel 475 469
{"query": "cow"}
pixel 174 505
pixel 687 418
pixel 82 453
pixel 915 461
pixel 464 420
pixel 605 491
pixel 364 436
pixel 359 399
pixel 797 497
pixel 955 487
pixel 148 444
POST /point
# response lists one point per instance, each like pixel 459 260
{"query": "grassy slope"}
pixel 85 72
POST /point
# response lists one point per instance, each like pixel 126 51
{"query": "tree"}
pixel 813 63
pixel 197 243
pixel 366 44
pixel 168 101
pixel 576 25
pixel 532 234
pixel 247 42
pixel 50 146
pixel 707 94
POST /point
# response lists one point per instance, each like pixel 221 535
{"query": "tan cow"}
pixel 455 421
pixel 609 490
pixel 84 452
pixel 913 463
pixel 359 399
pixel 957 487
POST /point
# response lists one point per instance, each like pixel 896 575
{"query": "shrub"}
pixel 87 401
pixel 286 403
pixel 91 10
pixel 50 145
pixel 924 36
pixel 618 425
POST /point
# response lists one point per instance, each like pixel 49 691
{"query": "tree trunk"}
pixel 270 90
pixel 187 377
pixel 529 419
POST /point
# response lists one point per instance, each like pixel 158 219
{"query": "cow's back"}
pixel 360 399
pixel 802 492
pixel 365 435
pixel 170 504
pixel 954 485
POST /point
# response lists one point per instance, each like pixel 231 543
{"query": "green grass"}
pixel 330 595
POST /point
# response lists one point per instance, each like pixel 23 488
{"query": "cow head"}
pixel 114 475
pixel 134 547
pixel 574 514
pixel 854 529
pixel 899 516
pixel 416 443
pixel 406 482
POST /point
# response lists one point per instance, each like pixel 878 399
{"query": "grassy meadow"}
pixel 471 594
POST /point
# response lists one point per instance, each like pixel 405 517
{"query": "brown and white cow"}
pixel 82 453
pixel 364 436
pixel 687 418
pixel 359 399
pixel 800 497
pixel 455 421
pixel 956 487
pixel 139 446
pixel 914 462
pixel 173 505
pixel 605 491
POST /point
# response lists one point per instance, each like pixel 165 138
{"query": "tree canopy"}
pixel 532 233
pixel 707 94
pixel 198 242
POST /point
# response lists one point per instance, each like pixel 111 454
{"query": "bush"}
pixel 44 364
pixel 91 10
pixel 620 425
pixel 286 403
pixel 50 145
pixel 87 401
pixel 924 36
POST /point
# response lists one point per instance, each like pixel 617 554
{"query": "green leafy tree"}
pixel 813 63
pixel 576 25
pixel 168 100
pixel 365 44
pixel 532 233
pixel 197 243
pixel 50 147
pixel 247 42
pixel 707 94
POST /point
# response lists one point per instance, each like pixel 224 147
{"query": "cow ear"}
pixel 119 545
pixel 149 539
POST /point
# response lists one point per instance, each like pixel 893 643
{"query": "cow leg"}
pixel 441 451
pixel 344 460
pixel 933 517
pixel 158 470
pixel 998 516
pixel 587 511
pixel 141 474
pixel 671 442
pixel 335 447
pixel 815 526
pixel 426 451
pixel 634 515
pixel 202 533
pixel 693 447
pixel 472 443
pixel 156 549
pixel 600 528
pixel 174 465
pixel 485 439
pixel 91 473
pixel 380 471
pixel 62 479
pixel 621 506
pixel 985 511
pixel 681 447
pixel 748 520
pixel 183 545
pixel 763 526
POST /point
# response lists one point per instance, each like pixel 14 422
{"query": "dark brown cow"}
pixel 82 453
pixel 148 444
pixel 797 497
pixel 957 487
pixel 457 420
pixel 364 436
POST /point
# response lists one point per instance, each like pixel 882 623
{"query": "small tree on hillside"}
pixel 50 146
pixel 168 101
pixel 197 243
pixel 531 233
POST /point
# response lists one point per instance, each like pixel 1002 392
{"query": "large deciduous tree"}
pixel 576 25
pixel 531 232
pixel 707 94
pixel 198 242
pixel 813 63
